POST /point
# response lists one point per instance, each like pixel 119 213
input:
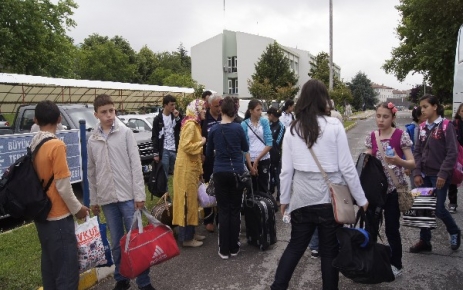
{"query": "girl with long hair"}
pixel 435 155
pixel 287 116
pixel 259 137
pixel 304 192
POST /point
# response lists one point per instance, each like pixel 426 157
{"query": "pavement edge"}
pixel 92 277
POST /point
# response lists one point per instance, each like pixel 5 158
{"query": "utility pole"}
pixel 331 45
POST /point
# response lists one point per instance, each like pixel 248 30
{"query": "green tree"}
pixel 428 33
pixel 320 70
pixel 362 92
pixel 179 80
pixel 33 37
pixel 146 64
pixel 101 58
pixel 272 72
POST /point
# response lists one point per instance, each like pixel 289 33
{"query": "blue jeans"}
pixel 275 170
pixel 168 160
pixel 186 233
pixel 392 225
pixel 304 221
pixel 119 215
pixel 313 245
pixel 441 211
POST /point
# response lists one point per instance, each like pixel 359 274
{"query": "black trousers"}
pixel 304 221
pixel 453 191
pixel 392 226
pixel 261 182
pixel 229 198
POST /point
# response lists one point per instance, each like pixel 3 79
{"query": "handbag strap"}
pixel 325 176
pixel 258 137
pixel 381 150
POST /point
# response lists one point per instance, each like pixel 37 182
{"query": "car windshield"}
pixel 2 118
pixel 85 114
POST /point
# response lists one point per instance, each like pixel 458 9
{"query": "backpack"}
pixel 373 179
pixel 457 176
pixel 157 181
pixel 22 194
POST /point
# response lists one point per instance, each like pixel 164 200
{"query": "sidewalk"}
pixel 363 115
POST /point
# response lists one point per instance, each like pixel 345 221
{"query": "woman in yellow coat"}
pixel 187 173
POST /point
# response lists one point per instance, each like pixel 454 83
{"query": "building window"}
pixel 232 86
pixel 235 64
pixel 229 62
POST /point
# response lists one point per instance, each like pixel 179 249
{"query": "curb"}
pixel 92 277
pixel 350 126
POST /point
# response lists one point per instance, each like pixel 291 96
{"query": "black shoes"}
pixel 122 285
pixel 421 246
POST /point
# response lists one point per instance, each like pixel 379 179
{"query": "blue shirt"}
pixel 229 151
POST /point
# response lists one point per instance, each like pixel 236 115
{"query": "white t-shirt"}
pixel 169 137
pixel 255 145
pixel 286 119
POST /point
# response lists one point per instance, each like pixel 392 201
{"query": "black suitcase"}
pixel 259 217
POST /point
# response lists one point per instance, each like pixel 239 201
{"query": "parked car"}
pixel 139 122
pixel 3 121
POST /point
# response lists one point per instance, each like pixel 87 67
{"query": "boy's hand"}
pixel 82 213
pixel 95 209
pixel 156 159
pixel 139 204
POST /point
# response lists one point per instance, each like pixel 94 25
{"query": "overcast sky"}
pixel 364 30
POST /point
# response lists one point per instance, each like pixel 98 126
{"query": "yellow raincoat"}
pixel 187 171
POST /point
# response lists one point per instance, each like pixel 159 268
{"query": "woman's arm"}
pixel 190 140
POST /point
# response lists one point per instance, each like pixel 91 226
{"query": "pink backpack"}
pixel 457 176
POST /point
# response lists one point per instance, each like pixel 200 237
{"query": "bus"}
pixel 458 74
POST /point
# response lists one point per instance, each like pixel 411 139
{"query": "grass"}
pixel 348 123
pixel 9 118
pixel 20 253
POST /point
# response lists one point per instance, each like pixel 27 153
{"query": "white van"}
pixel 458 75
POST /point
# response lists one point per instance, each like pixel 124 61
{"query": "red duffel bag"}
pixel 143 247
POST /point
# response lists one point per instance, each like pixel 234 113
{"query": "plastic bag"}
pixel 90 244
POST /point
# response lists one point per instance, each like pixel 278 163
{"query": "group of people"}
pixel 211 141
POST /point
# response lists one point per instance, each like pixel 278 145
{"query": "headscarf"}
pixel 193 111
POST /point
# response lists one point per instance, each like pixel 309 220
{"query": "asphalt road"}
pixel 201 268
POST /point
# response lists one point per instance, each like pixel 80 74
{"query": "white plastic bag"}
pixel 204 199
pixel 90 245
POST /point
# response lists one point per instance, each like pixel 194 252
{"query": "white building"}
pixel 383 92
pixel 400 94
pixel 225 62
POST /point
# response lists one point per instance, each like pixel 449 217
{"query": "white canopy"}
pixel 16 89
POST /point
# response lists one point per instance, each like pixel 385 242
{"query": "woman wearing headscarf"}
pixel 187 172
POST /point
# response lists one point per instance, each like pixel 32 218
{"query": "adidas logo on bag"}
pixel 158 255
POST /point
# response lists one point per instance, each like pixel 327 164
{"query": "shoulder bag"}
pixel 405 196
pixel 341 198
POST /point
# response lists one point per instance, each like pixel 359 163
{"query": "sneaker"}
pixel 193 243
pixel 396 272
pixel 421 246
pixel 224 257
pixel 122 285
pixel 314 254
pixel 199 237
pixel 235 253
pixel 452 208
pixel 147 287
pixel 455 240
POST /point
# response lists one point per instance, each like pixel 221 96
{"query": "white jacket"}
pixel 331 149
pixel 114 167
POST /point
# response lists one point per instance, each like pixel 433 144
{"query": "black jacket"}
pixel 158 124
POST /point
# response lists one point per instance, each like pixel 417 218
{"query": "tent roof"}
pixel 16 89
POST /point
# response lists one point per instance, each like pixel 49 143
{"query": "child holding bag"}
pixel 401 143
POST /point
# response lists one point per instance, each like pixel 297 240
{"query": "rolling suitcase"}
pixel 259 218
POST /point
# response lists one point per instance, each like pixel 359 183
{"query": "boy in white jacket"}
pixel 116 180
